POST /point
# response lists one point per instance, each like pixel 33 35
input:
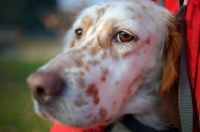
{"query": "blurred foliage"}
pixel 34 15
pixel 16 107
pixel 24 13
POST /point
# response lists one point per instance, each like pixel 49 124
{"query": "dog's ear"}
pixel 169 85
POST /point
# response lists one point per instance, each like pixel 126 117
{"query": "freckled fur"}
pixel 113 79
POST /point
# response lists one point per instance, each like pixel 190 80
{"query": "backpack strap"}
pixel 185 97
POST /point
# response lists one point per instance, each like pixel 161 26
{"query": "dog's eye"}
pixel 78 33
pixel 125 37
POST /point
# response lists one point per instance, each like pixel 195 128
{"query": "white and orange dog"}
pixel 120 58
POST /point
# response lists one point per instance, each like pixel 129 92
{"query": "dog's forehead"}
pixel 118 9
pixel 128 14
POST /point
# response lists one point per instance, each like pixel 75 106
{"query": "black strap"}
pixel 180 16
pixel 135 126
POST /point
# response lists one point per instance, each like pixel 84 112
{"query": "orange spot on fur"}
pixel 87 21
pixel 72 44
pixel 89 116
pixel 117 83
pixel 131 9
pixel 80 81
pixel 94 120
pixel 78 62
pixel 94 29
pixel 101 11
pixel 147 40
pixel 157 29
pixel 102 114
pixel 79 103
pixel 94 50
pixel 86 67
pixel 114 103
pixel 105 72
pixel 103 37
pixel 94 62
pixel 143 7
pixel 103 78
pixel 92 91
pixel 103 56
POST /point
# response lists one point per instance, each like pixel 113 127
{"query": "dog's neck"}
pixel 152 113
pixel 146 104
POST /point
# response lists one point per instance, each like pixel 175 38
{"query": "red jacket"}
pixel 192 23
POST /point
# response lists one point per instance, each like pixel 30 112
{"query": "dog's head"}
pixel 113 65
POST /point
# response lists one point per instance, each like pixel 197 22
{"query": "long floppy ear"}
pixel 169 85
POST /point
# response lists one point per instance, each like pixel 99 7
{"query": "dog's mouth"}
pixel 70 116
pixel 50 111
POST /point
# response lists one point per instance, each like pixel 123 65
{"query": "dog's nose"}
pixel 45 85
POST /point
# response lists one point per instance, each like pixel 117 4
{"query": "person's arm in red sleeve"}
pixel 192 23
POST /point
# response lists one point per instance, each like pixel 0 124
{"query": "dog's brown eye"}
pixel 125 37
pixel 78 33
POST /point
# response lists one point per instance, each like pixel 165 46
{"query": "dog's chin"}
pixel 54 115
pixel 61 120
pixel 76 124
pixel 79 123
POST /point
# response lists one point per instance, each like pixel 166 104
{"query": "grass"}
pixel 16 107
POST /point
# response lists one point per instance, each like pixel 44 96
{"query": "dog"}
pixel 121 57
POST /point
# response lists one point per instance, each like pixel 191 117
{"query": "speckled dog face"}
pixel 112 52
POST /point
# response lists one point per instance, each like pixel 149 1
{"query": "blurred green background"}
pixel 16 107
pixel 31 33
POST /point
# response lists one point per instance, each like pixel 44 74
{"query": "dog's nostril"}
pixel 41 96
pixel 40 91
pixel 45 85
